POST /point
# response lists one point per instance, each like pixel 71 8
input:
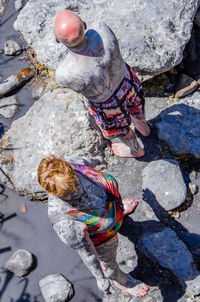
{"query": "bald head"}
pixel 69 28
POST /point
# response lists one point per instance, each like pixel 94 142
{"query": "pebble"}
pixel 193 188
pixel 8 106
pixel 20 263
pixel 11 48
pixel 19 4
pixel 2 6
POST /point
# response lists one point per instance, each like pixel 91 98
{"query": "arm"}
pixel 88 161
pixel 75 235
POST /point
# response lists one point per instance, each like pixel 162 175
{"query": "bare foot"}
pixel 142 126
pixel 130 205
pixel 136 289
pixel 122 150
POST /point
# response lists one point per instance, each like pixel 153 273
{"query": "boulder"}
pixel 152 35
pixel 20 263
pixel 56 288
pixel 164 179
pixel 178 126
pixel 59 124
pixel 170 252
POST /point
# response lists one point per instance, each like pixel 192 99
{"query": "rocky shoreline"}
pixel 163 236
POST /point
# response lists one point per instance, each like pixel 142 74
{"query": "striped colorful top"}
pixel 100 229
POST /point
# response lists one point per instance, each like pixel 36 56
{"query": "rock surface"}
pixel 53 125
pixel 170 252
pixel 20 263
pixel 164 179
pixel 150 44
pixel 9 106
pixel 178 126
pixel 56 288
pixel 11 48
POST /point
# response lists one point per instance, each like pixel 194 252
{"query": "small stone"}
pixel 8 106
pixel 20 263
pixel 16 80
pixel 12 48
pixel 193 188
pixel 19 4
pixel 193 175
pixel 38 89
pixel 3 6
pixel 186 85
pixel 56 288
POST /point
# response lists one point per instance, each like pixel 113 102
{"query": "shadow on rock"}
pixel 148 271
pixel 178 126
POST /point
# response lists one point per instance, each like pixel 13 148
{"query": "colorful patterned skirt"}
pixel 114 115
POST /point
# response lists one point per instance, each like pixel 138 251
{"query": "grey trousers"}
pixel 107 253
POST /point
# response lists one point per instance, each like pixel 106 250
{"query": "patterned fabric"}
pixel 100 229
pixel 114 115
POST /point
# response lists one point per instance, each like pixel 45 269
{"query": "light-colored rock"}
pixel 9 106
pixel 19 4
pixel 20 263
pixel 56 124
pixel 16 80
pixel 38 89
pixel 163 178
pixel 152 35
pixel 193 286
pixel 3 4
pixel 178 126
pixel 56 288
pixel 185 86
pixel 193 188
pixel 11 48
pixel 170 252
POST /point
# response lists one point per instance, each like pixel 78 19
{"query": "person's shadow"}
pixel 150 272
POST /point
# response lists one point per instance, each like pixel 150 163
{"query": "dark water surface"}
pixel 31 229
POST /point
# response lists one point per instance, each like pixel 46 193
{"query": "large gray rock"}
pixel 56 124
pixel 152 34
pixel 164 179
pixel 170 252
pixel 20 263
pixel 178 126
pixel 56 288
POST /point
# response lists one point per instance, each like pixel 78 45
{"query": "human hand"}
pixel 104 285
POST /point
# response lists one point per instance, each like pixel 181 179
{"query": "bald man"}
pixel 94 67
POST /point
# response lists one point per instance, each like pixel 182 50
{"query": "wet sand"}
pixel 31 229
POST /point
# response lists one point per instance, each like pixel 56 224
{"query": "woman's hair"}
pixel 56 176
